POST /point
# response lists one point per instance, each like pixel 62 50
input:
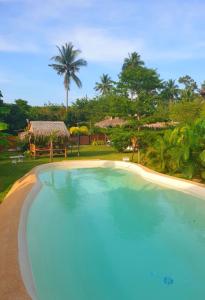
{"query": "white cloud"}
pixel 11 45
pixel 42 10
pixel 97 44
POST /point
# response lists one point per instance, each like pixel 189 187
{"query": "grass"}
pixel 9 173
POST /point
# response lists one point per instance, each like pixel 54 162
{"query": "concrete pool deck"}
pixel 14 209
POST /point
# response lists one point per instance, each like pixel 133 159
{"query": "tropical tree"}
pixel 170 91
pixel 68 64
pixel 190 87
pixel 133 60
pixel 105 85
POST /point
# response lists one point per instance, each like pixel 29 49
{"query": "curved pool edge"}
pixel 15 270
pixel 11 283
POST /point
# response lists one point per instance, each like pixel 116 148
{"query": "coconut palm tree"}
pixel 133 60
pixel 170 90
pixel 105 85
pixel 67 65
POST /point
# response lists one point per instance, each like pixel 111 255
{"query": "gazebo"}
pixel 48 138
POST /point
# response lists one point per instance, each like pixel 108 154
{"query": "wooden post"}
pixel 34 151
pixel 78 144
pixel 65 152
pixel 138 155
pixel 51 150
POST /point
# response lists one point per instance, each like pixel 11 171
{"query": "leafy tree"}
pixel 48 112
pixel 186 112
pixel 23 105
pixel 190 87
pixel 68 64
pixel 121 139
pixel 18 113
pixel 105 85
pixel 140 79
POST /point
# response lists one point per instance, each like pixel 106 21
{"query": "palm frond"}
pixel 76 80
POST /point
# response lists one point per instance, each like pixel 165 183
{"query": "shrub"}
pixel 79 130
pixel 121 140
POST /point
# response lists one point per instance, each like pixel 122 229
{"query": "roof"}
pixel 161 125
pixel 110 122
pixel 46 128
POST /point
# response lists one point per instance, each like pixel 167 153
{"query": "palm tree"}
pixel 171 90
pixel 133 60
pixel 68 64
pixel 105 86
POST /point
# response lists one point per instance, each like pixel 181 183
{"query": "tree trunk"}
pixel 66 99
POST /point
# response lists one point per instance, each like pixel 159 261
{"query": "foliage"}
pixel 186 112
pixel 79 130
pixel 121 140
pixel 180 150
pixel 190 87
pixel 3 126
pixel 139 79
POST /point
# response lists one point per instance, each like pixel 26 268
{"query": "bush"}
pixel 79 130
pixel 121 140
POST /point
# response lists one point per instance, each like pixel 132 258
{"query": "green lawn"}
pixel 9 173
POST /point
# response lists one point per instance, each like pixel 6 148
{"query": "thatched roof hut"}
pixel 46 128
pixel 160 125
pixel 47 138
pixel 39 130
pixel 110 122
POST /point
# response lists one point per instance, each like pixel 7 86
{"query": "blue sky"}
pixel 169 35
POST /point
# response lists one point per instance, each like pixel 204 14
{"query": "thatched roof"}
pixel 110 122
pixel 160 125
pixel 47 128
pixel 44 129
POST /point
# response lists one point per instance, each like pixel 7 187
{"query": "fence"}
pixel 89 139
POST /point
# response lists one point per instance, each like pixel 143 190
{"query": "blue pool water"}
pixel 107 234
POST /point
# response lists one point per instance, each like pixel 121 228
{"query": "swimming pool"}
pixel 106 234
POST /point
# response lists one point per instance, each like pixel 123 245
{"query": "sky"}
pixel 169 36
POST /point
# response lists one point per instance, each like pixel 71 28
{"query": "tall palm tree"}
pixel 68 64
pixel 105 85
pixel 133 60
pixel 170 90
